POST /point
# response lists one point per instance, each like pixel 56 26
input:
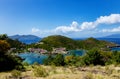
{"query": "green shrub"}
pixel 39 71
pixel 58 60
pixel 36 63
pixel 25 64
pixel 80 63
pixel 116 57
pixel 16 73
pixel 93 57
pixel 48 61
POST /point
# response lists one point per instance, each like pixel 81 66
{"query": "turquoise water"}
pixel 36 57
pixel 77 52
pixel 33 57
pixel 115 49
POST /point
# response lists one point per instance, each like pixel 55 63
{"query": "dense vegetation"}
pixel 92 57
pixel 13 43
pixel 8 61
pixel 92 43
pixel 56 41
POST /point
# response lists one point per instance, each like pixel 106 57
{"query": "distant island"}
pixel 28 39
pixel 112 36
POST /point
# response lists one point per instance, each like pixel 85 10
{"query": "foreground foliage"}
pixel 92 57
pixel 40 71
pixel 7 60
pixel 69 72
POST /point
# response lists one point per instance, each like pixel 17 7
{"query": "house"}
pixel 59 51
pixel 38 50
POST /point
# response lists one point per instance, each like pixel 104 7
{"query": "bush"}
pixel 39 71
pixel 49 60
pixel 70 60
pixel 58 60
pixel 116 57
pixel 93 57
pixel 16 73
pixel 25 64
pixel 10 62
pixel 36 63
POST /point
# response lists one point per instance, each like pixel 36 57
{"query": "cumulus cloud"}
pixel 117 29
pixel 72 28
pixel 34 30
pixel 113 18
pixel 87 26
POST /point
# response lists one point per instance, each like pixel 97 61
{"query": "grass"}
pixel 91 72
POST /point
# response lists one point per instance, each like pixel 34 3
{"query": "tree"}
pixel 93 57
pixel 3 36
pixel 7 61
pixel 4 46
pixel 116 57
pixel 49 60
pixel 59 60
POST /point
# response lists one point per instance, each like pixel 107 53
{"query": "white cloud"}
pixel 113 18
pixel 34 30
pixel 117 29
pixel 87 26
pixel 72 28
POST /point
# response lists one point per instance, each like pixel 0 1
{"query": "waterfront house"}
pixel 59 51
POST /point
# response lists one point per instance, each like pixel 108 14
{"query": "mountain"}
pixel 28 39
pixel 113 36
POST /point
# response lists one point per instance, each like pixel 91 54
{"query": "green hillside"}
pixel 61 41
pixel 91 43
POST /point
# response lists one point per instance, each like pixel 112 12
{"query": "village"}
pixel 43 51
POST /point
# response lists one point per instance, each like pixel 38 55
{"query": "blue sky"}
pixel 72 18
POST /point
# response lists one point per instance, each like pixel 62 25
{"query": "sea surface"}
pixel 114 40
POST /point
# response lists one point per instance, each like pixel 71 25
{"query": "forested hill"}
pixel 94 43
pixel 62 41
pixel 59 41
